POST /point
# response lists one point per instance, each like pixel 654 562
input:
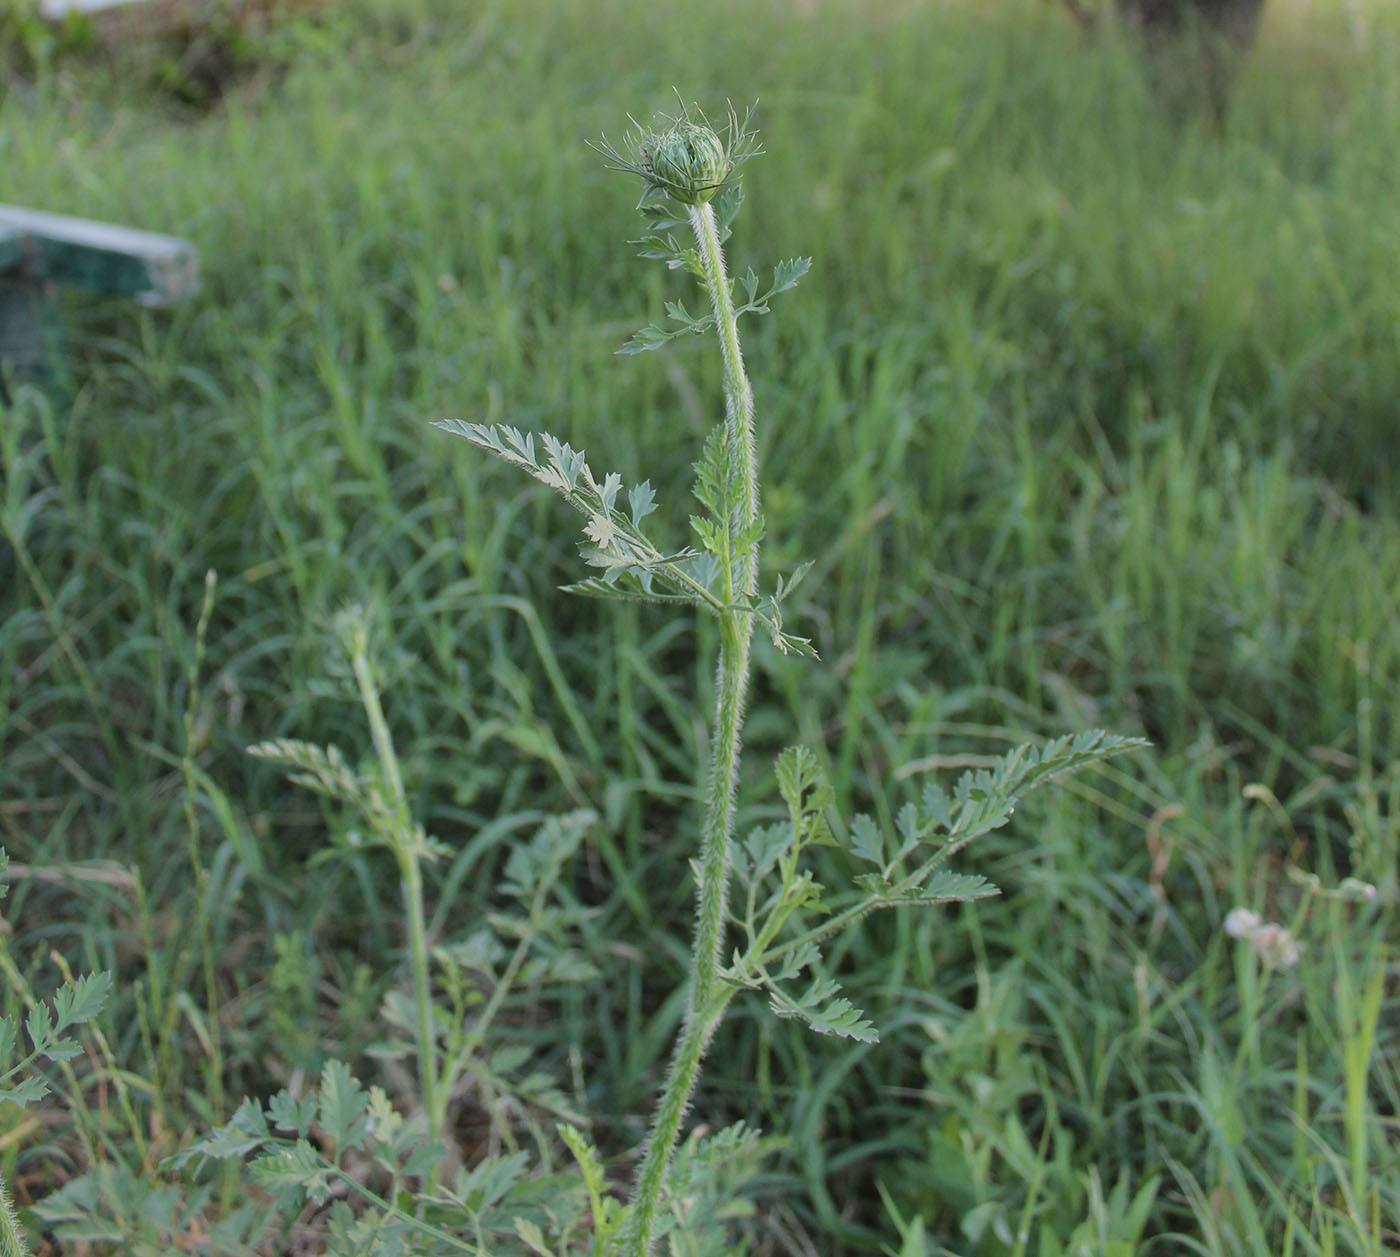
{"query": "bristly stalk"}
pixel 12 1242
pixel 738 396
pixel 708 997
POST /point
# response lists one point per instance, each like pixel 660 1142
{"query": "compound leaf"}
pixel 295 1167
pixel 27 1091
pixel 942 887
pixel 867 842
pixel 82 1001
pixel 642 502
pixel 289 1113
pixel 343 1104
pixel 825 1010
pixel 39 1026
pixel 245 1130
pixel 984 799
pixel 787 275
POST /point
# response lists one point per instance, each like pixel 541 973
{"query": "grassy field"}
pixel 1087 415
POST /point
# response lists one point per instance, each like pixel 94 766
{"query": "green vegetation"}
pixel 1086 416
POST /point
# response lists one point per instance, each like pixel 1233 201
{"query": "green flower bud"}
pixel 688 161
pixel 683 156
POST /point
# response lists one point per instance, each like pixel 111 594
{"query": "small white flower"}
pixel 1241 922
pixel 1276 945
pixel 1270 942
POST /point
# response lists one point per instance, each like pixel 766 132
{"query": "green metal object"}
pixel 31 336
pixel 11 249
pixel 120 261
pixel 39 251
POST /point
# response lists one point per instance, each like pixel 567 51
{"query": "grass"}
pixel 1087 415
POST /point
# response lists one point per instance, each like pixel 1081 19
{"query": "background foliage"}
pixel 1087 411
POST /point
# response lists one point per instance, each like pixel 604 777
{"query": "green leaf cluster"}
pixel 633 567
pixel 908 864
pixel 725 538
pixel 339 1142
pixel 785 913
pixel 345 1150
pixel 529 946
pixel 46 1029
pixel 120 1208
pixel 786 276
pixel 701 1198
pixel 779 895
pixel 661 244
pixel 662 221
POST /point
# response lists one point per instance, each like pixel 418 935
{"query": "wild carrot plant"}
pixel 689 172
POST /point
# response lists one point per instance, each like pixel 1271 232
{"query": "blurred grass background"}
pixel 1087 413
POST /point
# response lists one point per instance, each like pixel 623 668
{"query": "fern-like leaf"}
pixel 343 1104
pixel 615 540
pixel 984 799
pixel 942 886
pixel 295 1167
pixel 323 770
pixel 825 1010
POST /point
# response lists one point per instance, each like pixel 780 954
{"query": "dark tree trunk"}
pixel 1234 21
pixel 1195 45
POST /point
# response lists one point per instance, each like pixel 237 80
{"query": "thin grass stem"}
pixel 406 853
pixel 201 874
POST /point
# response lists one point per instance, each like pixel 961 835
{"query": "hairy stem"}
pixel 708 996
pixel 738 396
pixel 11 1237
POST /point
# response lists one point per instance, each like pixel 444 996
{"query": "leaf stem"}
pixel 708 994
pixel 392 1210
